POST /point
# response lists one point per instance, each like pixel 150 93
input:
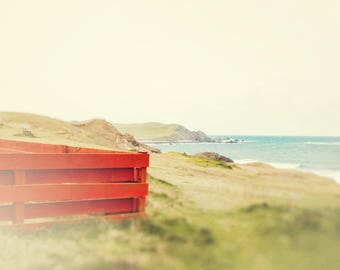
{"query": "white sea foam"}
pixel 284 165
pixel 276 165
pixel 334 174
pixel 245 161
pixel 323 143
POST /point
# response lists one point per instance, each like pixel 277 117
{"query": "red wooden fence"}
pixel 44 180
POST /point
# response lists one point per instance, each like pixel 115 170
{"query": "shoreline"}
pixel 331 174
pixel 328 173
pixel 307 150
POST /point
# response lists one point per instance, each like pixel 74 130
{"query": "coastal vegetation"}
pixel 199 217
pixel 208 162
pixel 202 213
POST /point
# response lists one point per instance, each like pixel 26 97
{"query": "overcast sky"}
pixel 226 67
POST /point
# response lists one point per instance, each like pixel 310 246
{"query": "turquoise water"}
pixel 320 155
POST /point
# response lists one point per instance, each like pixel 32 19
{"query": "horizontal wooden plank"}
pixel 72 149
pixel 6 178
pixel 21 161
pixel 62 192
pixel 32 147
pixel 79 176
pixel 8 150
pixel 55 209
pixel 6 212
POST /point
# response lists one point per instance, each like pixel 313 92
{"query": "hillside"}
pixel 161 132
pixel 202 214
pixel 92 133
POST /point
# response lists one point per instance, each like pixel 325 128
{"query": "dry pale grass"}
pixel 216 188
pixel 202 214
pixel 95 133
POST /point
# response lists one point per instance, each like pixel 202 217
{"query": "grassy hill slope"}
pixel 202 214
pixel 92 133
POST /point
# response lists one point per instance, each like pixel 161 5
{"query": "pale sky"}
pixel 264 67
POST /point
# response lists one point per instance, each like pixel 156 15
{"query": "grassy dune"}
pixel 95 133
pixel 201 215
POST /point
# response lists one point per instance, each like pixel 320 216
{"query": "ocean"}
pixel 320 155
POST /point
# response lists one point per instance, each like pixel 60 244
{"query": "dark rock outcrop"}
pixel 214 155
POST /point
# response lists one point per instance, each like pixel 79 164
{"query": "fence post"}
pixel 139 176
pixel 142 200
pixel 19 207
pixel 141 204
pixel 142 175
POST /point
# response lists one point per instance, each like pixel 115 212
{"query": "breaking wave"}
pixel 323 143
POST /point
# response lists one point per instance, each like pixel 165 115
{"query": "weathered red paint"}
pixel 78 208
pixel 42 180
pixel 68 192
pixel 38 161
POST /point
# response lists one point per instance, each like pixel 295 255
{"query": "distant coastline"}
pixel 318 155
pixel 207 140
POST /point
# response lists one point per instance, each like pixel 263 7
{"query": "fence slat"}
pixel 51 192
pixel 77 208
pixel 32 161
pixel 32 147
pixel 79 176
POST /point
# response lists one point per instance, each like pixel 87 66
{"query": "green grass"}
pixel 177 235
pixel 207 162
